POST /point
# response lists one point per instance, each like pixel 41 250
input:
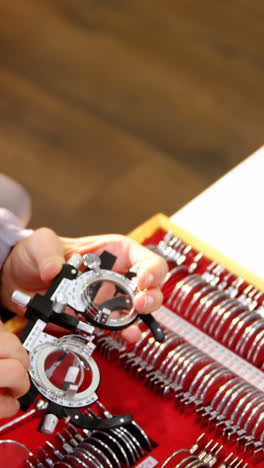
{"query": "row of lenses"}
pixel 203 454
pixel 112 448
pixel 177 369
pixel 221 317
pixel 177 252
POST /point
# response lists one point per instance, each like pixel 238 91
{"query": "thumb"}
pixel 46 250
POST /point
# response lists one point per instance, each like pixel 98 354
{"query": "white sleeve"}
pixel 11 232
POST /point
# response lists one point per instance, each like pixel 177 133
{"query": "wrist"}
pixel 4 285
pixel 11 232
pixel 7 287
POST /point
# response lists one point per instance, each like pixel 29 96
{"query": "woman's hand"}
pixel 36 260
pixel 14 380
pixel 151 268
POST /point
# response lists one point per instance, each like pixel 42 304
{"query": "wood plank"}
pixel 94 94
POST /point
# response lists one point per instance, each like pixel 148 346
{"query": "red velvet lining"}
pixel 168 426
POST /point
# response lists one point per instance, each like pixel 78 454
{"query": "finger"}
pixel 152 268
pixel 46 250
pixel 11 348
pixel 148 300
pixel 87 244
pixel 14 377
pixel 131 334
pixel 151 272
pixel 8 406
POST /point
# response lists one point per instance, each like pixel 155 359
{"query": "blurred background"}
pixel 114 110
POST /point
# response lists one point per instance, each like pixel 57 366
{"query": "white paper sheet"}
pixel 229 215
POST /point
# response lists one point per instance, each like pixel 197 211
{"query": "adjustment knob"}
pixel 92 261
pixel 21 298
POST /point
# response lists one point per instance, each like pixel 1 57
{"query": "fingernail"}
pixel 148 302
pixel 147 280
pixel 51 268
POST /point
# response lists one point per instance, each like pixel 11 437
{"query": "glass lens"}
pixel 64 370
pixel 110 302
pixel 13 453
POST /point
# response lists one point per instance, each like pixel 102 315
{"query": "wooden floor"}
pixel 113 110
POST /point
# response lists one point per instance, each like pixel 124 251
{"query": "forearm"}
pixel 7 288
pixel 11 232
